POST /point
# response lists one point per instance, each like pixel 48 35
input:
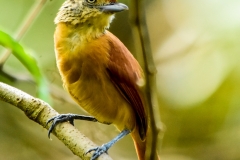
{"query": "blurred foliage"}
pixel 29 62
pixel 196 50
pixel 197 53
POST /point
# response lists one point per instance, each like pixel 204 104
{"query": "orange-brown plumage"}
pixel 125 72
pixel 101 75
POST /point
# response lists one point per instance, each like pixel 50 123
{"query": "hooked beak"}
pixel 113 7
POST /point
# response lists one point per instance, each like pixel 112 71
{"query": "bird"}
pixel 99 72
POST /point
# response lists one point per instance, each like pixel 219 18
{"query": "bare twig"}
pixel 24 28
pixel 39 111
pixel 141 37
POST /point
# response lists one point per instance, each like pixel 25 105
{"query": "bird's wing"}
pixel 125 73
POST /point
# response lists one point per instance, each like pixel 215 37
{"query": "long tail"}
pixel 140 145
pixel 140 149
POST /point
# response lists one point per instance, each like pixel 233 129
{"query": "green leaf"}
pixel 29 62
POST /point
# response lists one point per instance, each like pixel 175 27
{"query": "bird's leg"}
pixel 67 117
pixel 104 148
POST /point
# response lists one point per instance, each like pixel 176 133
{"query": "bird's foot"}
pixel 67 118
pixel 60 118
pixel 98 151
pixel 104 148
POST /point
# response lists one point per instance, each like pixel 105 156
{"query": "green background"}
pixel 196 48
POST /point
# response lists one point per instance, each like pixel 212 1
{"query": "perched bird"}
pixel 99 72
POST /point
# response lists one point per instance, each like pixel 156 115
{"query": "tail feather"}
pixel 140 145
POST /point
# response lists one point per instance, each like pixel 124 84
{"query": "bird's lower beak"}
pixel 114 7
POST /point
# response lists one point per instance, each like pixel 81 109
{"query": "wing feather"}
pixel 125 72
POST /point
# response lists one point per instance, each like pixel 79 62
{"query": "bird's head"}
pixel 97 13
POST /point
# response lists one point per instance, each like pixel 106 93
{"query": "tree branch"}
pixel 39 111
pixel 143 47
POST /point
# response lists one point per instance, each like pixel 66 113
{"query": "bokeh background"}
pixel 196 47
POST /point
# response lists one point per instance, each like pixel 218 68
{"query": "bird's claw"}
pixel 57 119
pixel 98 151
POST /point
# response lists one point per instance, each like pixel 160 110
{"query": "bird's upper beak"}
pixel 113 7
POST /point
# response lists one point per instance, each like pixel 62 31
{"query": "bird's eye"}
pixel 91 1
